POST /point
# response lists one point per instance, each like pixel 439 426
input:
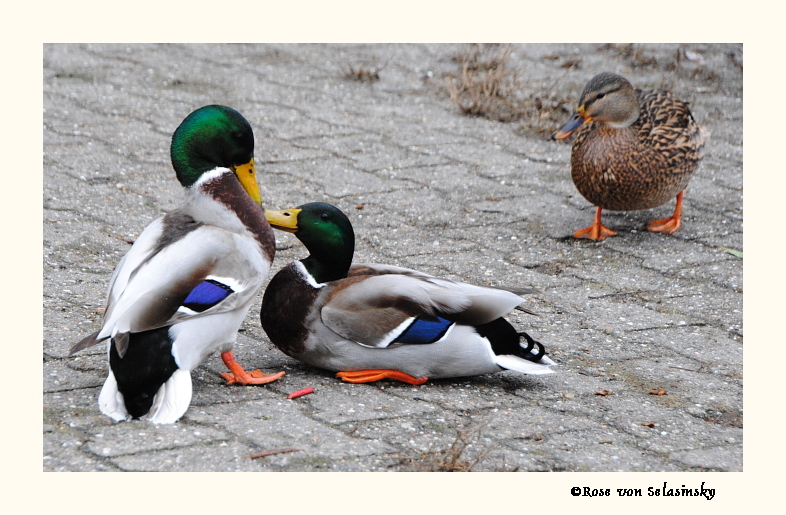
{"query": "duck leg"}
pixel 672 224
pixel 367 376
pixel 236 373
pixel 596 231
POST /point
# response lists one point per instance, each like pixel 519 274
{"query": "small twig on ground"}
pixel 300 393
pixel 690 369
pixel 271 453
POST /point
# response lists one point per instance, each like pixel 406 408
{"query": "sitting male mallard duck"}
pixel 185 286
pixel 635 150
pixel 372 322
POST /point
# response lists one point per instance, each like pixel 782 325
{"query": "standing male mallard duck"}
pixel 372 322
pixel 185 286
pixel 635 150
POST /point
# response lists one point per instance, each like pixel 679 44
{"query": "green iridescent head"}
pixel 327 234
pixel 210 137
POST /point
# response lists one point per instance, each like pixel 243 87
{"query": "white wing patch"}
pixel 392 335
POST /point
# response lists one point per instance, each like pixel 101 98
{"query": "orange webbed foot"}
pixel 666 226
pixel 238 375
pixel 597 231
pixel 671 224
pixel 594 232
pixel 368 376
pixel 255 377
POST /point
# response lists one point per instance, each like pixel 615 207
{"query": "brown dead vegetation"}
pixel 488 85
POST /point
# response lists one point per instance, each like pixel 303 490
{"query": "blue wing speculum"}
pixel 424 331
pixel 206 294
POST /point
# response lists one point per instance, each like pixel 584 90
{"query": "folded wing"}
pixel 393 305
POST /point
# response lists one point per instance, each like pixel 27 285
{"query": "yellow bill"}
pixel 247 175
pixel 285 220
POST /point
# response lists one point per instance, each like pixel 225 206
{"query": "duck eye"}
pixel 601 95
pixel 324 216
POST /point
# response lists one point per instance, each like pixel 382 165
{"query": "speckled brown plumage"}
pixel 641 165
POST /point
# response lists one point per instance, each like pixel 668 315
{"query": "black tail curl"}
pixel 505 340
pixel 528 355
pixel 147 364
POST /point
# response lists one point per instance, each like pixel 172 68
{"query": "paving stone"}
pixel 426 187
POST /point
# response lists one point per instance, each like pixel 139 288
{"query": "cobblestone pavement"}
pixel 426 187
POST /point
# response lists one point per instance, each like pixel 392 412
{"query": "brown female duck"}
pixel 634 150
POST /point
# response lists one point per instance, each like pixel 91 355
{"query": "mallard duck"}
pixel 184 287
pixel 635 150
pixel 370 322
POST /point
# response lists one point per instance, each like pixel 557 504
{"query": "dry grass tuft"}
pixel 456 457
pixel 463 454
pixel 636 55
pixel 363 73
pixel 488 86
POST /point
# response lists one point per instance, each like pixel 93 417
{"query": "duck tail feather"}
pixel 87 341
pixel 172 399
pixel 519 364
pixel 528 311
pixel 110 400
pixel 516 290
